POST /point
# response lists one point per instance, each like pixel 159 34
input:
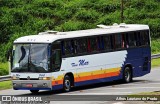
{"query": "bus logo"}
pixel 74 64
pixel 41 75
pixel 28 78
pixel 82 62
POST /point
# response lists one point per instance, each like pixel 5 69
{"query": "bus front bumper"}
pixel 32 84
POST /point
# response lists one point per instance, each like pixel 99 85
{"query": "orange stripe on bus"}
pixel 91 77
pixel 57 82
pixel 98 76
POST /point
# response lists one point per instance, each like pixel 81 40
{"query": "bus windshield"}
pixel 30 58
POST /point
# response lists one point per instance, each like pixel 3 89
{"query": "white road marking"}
pixel 118 103
pixel 135 88
pixel 144 83
pixel 140 83
pixel 109 93
pixel 79 102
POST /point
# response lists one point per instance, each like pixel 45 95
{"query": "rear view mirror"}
pixel 9 54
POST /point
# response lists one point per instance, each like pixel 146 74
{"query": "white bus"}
pixel 61 60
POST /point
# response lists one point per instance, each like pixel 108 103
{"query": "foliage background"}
pixel 25 17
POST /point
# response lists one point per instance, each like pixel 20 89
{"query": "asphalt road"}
pixel 147 83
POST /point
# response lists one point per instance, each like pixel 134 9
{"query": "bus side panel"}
pixel 106 67
pixel 57 87
pixel 106 75
pixel 136 57
pixel 93 68
pixel 57 80
pixel 147 59
pixel 93 81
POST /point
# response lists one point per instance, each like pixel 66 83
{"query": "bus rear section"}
pixel 139 52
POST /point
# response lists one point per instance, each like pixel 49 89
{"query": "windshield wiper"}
pixel 23 54
pixel 16 70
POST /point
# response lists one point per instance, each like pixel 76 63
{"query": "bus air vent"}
pixel 52 32
pixel 61 33
pixel 103 26
pixel 115 24
pixel 48 32
pixel 123 25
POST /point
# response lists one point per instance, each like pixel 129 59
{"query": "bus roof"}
pixel 50 36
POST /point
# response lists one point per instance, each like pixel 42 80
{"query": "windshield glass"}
pixel 30 58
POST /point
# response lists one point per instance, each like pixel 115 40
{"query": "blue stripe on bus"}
pixel 139 55
pixel 94 81
pixel 23 88
pixel 57 87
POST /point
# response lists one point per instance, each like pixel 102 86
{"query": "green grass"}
pixel 4 68
pixel 4 65
pixel 155 46
pixel 155 62
pixel 155 94
pixel 150 93
pixel 5 85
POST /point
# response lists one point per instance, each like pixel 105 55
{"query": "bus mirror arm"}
pixel 9 55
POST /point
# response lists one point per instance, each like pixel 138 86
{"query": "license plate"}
pixel 29 85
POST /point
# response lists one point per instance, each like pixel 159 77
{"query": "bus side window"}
pixel 94 44
pixel 56 57
pixel 137 37
pixel 99 43
pixel 131 39
pixel 68 47
pixel 124 40
pixel 62 48
pixel 144 38
pixel 108 43
pixel 81 45
pixel 147 37
pixel 119 43
pixel 73 47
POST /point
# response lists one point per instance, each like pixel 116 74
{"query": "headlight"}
pixel 15 78
pixel 44 78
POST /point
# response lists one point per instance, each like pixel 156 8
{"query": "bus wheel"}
pixel 127 75
pixel 67 83
pixel 34 91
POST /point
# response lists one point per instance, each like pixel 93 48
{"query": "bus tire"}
pixel 34 91
pixel 67 83
pixel 127 75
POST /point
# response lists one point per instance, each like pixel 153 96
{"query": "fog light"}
pixel 40 78
pixel 44 84
pixel 15 78
pixel 14 84
pixel 46 78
